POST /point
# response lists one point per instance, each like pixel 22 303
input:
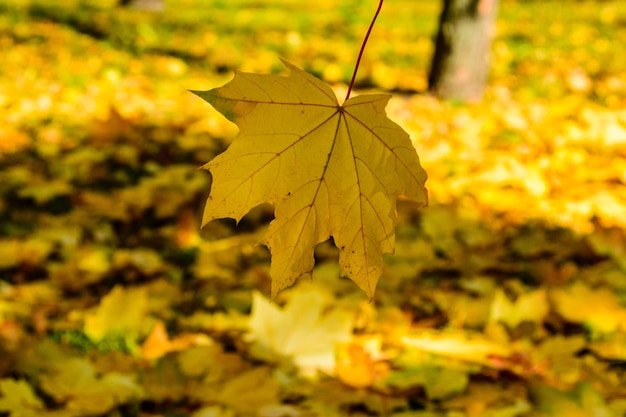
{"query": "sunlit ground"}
pixel 506 297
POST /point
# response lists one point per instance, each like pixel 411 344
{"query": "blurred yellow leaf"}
pixel 532 307
pixel 114 127
pixel 165 382
pixel 46 191
pixel 578 81
pixel 187 230
pixel 211 361
pixel 121 310
pixel 145 260
pixel 613 348
pixel 159 343
pixel 93 260
pixel 249 391
pixel 31 252
pixel 582 401
pixel 599 309
pixel 556 359
pixel 610 242
pixel 508 171
pixel 9 250
pixel 439 382
pixel 76 384
pixel 484 399
pixel 462 309
pixel 107 205
pixel 12 140
pixel 359 362
pixel 213 411
pixel 305 331
pixel 457 344
pixel 19 399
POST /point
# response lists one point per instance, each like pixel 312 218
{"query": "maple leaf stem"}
pixel 358 60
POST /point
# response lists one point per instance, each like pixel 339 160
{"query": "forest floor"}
pixel 505 297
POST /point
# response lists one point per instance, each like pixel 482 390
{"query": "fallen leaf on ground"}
pixel 121 310
pixel 303 331
pixel 249 391
pixel 612 348
pixel 557 360
pixel 76 385
pixel 582 401
pixel 457 345
pixel 159 343
pixel 438 382
pixel 360 362
pixel 531 307
pixel 601 310
pixel 19 399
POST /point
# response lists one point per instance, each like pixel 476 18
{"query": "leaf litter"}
pixel 505 298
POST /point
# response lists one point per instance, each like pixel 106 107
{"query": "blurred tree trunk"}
pixel 152 5
pixel 462 58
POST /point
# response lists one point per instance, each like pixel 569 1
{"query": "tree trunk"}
pixel 150 5
pixel 460 65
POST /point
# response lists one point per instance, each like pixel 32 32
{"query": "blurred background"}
pixel 506 296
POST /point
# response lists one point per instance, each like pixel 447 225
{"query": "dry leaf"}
pixel 359 362
pixel 19 399
pixel 302 331
pixel 123 309
pixel 76 384
pixel 601 310
pixel 457 345
pixel 530 307
pixel 159 343
pixel 249 391
pixel 328 170
pixel 582 401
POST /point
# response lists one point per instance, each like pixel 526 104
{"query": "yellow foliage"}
pixel 250 391
pixel 301 331
pixel 18 398
pixel 159 343
pixel 328 170
pixel 600 309
pixel 457 345
pixel 531 307
pixel 359 362
pixel 75 383
pixel 123 309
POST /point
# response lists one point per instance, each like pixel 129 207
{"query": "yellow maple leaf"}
pixel 459 345
pixel 121 310
pixel 76 384
pixel 530 307
pixel 159 343
pixel 359 363
pixel 19 399
pixel 328 170
pixel 304 331
pixel 598 309
pixel 242 392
